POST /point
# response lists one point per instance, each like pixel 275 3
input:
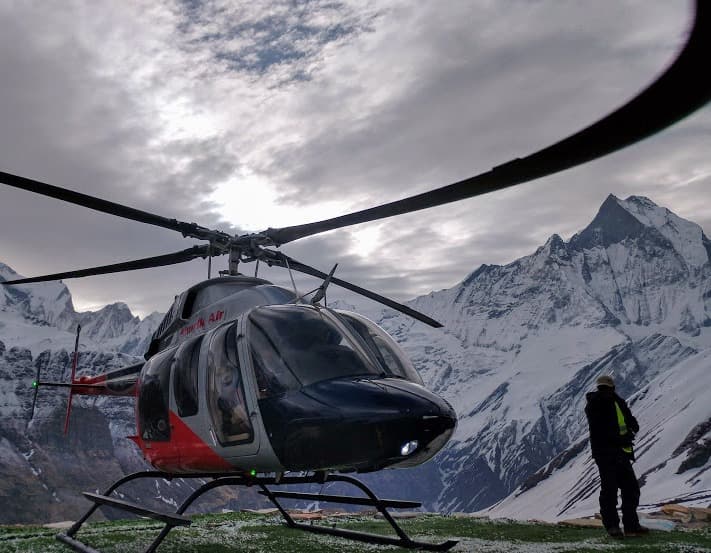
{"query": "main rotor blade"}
pixel 295 265
pixel 145 263
pixel 191 230
pixel 681 90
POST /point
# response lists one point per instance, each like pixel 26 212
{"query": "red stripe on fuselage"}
pixel 184 453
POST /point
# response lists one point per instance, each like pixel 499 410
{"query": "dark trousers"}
pixel 616 473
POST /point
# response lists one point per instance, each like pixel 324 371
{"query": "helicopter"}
pixel 247 383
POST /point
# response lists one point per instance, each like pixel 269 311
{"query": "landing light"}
pixel 408 448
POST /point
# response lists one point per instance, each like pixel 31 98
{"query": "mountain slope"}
pixel 37 331
pixel 630 296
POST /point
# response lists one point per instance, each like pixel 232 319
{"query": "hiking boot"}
pixel 636 531
pixel 615 532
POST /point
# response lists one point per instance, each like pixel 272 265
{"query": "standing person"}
pixel 612 431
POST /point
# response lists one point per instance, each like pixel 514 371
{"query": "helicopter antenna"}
pixel 321 291
pixel 302 296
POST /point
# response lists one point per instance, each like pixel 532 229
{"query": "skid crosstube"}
pixel 172 520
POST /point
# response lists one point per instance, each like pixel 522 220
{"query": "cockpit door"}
pixel 152 409
pixel 233 412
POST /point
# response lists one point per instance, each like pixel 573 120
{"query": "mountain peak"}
pixel 555 246
pixel 612 224
pixel 6 272
pixel 618 220
pixel 554 241
pixel 686 237
pixel 119 306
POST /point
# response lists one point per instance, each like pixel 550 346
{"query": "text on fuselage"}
pixel 214 317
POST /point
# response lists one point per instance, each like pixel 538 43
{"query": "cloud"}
pixel 272 38
pixel 328 106
pixel 471 89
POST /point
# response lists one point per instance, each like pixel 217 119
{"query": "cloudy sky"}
pixel 245 115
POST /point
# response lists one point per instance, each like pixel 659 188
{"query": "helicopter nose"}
pixel 358 424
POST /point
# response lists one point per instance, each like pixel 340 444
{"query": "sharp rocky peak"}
pixel 6 272
pixel 49 304
pixel 638 217
pixel 612 224
pixel 555 246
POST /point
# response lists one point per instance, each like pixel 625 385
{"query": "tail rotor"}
pixel 36 383
pixel 71 388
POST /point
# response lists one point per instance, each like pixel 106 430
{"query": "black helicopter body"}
pixel 239 377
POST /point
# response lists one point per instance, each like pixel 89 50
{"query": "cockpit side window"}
pixel 185 377
pixel 271 372
pixel 384 348
pixel 228 407
pixel 153 398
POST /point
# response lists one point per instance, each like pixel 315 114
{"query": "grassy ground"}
pixel 233 533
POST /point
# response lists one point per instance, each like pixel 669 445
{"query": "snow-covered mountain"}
pixel 41 316
pixel 630 295
pixel 46 470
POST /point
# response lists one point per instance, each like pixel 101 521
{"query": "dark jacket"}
pixel 605 438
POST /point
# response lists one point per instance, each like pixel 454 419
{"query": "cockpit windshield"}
pixel 296 342
pixel 383 347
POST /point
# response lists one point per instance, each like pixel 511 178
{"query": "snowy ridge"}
pixel 41 316
pixel 686 237
pixel 47 303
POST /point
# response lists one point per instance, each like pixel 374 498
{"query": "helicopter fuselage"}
pixel 252 382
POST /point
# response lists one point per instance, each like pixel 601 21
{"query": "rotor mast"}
pixel 233 261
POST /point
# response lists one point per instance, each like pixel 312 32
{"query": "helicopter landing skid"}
pixel 172 520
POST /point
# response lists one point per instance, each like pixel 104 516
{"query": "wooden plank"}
pixel 582 523
pixel 272 511
pixel 672 508
pixel 700 514
pixel 306 516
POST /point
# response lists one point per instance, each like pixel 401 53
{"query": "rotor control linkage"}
pixel 172 520
pixel 321 292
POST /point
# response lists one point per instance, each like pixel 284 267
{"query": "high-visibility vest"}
pixel 622 424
